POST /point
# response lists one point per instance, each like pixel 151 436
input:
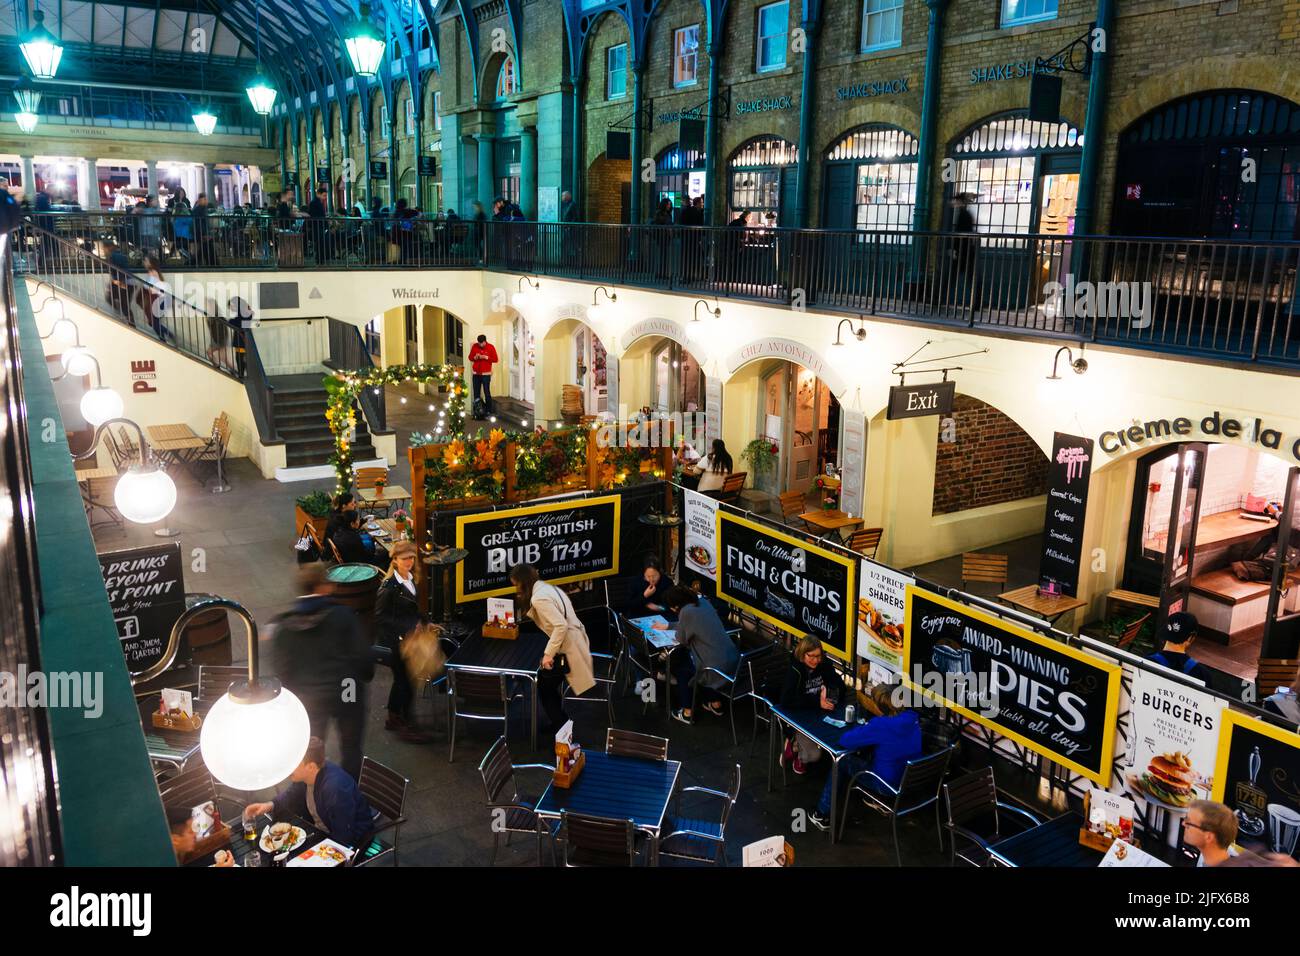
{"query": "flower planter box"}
pixel 301 519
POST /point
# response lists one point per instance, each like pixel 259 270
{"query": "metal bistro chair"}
pixel 215 679
pixel 214 452
pixel 766 673
pixel 918 789
pixel 971 798
pixel 596 841
pixel 475 697
pixel 793 504
pixel 385 790
pixel 731 488
pixel 602 626
pixel 365 478
pixel 187 789
pixel 628 743
pixel 509 812
pixel 1274 672
pixel 696 839
pixel 736 686
pixel 641 661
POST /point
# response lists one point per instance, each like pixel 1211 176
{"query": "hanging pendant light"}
pixel 205 121
pixel 29 102
pixel 260 92
pixel 365 44
pixel 41 49
pixel 26 121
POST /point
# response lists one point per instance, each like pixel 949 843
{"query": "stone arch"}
pixel 961 114
pixel 791 351
pixel 487 88
pixel 864 113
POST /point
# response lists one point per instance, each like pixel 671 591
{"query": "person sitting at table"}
pixel 895 737
pixel 397 614
pixel 1178 634
pixel 324 793
pixel 811 684
pixel 1211 829
pixel 657 584
pixel 716 466
pixel 568 650
pixel 343 503
pixel 356 547
pixel 702 642
pixel 686 458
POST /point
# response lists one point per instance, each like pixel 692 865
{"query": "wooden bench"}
pixel 1146 602
pixel 1228 608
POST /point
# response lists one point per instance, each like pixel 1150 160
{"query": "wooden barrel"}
pixel 208 634
pixel 355 585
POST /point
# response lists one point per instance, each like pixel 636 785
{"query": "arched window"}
pixel 679 175
pixel 1241 148
pixel 870 180
pixel 1019 176
pixel 507 83
pixel 761 177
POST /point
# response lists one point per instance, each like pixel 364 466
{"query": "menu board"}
pixel 882 605
pixel 700 541
pixel 565 540
pixel 1052 698
pixel 1174 742
pixel 1258 776
pixel 796 586
pixel 146 589
pixel 1068 474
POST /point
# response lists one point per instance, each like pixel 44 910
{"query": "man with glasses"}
pixel 1212 829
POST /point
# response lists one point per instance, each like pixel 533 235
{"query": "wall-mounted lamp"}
pixel 597 311
pixel 860 333
pixel 716 311
pixel 144 494
pixel 257 732
pixel 1080 364
pixel 522 296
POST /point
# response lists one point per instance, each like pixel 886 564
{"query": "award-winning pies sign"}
pixel 1045 695
pixel 917 401
pixel 796 586
pixel 566 541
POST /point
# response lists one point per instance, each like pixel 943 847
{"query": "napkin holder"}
pixel 501 631
pixel 176 721
pixel 564 778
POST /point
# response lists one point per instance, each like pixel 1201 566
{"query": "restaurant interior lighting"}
pixel 41 49
pixel 523 297
pixel 860 333
pixel 597 311
pixel 365 44
pixel 716 311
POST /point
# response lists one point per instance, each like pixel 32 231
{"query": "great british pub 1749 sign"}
pixel 1054 699
pixel 146 590
pixel 570 540
pixel 1068 474
pixel 788 582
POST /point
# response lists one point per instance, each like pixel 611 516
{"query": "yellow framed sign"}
pixel 1257 774
pixel 571 540
pixel 794 585
pixel 1056 700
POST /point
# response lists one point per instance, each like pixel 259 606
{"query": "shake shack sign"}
pixel 146 590
pixel 789 583
pixel 917 401
pixel 1052 698
pixel 566 541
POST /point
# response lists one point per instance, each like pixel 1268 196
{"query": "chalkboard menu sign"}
pixel 378 169
pixel 1054 699
pixel 146 589
pixel 1257 774
pixel 800 588
pixel 570 540
pixel 1067 504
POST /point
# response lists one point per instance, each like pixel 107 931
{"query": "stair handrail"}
pixel 261 393
pixel 348 352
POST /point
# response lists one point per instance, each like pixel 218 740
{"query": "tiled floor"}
pixel 240 546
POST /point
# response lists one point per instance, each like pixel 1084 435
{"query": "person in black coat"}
pixel 353 546
pixel 320 654
pixel 343 503
pixel 397 613
pixel 656 585
pixel 319 791
pixel 812 683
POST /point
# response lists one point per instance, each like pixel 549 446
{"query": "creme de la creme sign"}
pixel 1215 425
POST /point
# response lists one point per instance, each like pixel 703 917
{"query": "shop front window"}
pixel 507 84
pixel 879 164
pixel 679 176
pixel 761 179
pixel 882 24
pixel 1015 12
pixel 773 24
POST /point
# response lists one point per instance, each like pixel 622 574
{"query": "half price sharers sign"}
pixel 788 582
pixel 566 541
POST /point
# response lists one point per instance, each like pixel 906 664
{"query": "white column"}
pixel 151 168
pixel 87 184
pixel 29 179
pixel 210 182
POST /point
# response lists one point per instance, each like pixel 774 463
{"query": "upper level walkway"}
pixel 1206 300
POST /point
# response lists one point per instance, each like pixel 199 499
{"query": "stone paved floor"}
pixel 245 538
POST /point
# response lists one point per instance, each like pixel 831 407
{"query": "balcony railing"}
pixel 1227 300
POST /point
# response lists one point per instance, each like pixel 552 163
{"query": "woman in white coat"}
pixel 568 652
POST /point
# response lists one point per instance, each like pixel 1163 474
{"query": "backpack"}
pixel 1188 664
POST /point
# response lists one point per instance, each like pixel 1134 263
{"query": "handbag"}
pixel 422 653
pixel 306 549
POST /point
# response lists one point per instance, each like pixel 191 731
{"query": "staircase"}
pixel 299 413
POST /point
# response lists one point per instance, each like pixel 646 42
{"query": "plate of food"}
pixel 1167 781
pixel 282 838
pixel 889 636
pixel 700 556
pixel 324 853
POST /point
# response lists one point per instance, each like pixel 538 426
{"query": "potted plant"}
pixel 380 484
pixel 760 454
pixel 314 510
pixel 828 492
pixel 400 519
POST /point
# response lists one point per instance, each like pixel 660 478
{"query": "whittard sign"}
pixel 1047 696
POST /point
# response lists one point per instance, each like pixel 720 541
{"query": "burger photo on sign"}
pixel 1168 780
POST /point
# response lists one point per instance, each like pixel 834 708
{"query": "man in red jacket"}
pixel 482 356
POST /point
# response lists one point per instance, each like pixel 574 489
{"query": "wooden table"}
pixel 390 495
pixel 1048 606
pixel 175 444
pixel 831 520
pixel 94 474
pixel 619 788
